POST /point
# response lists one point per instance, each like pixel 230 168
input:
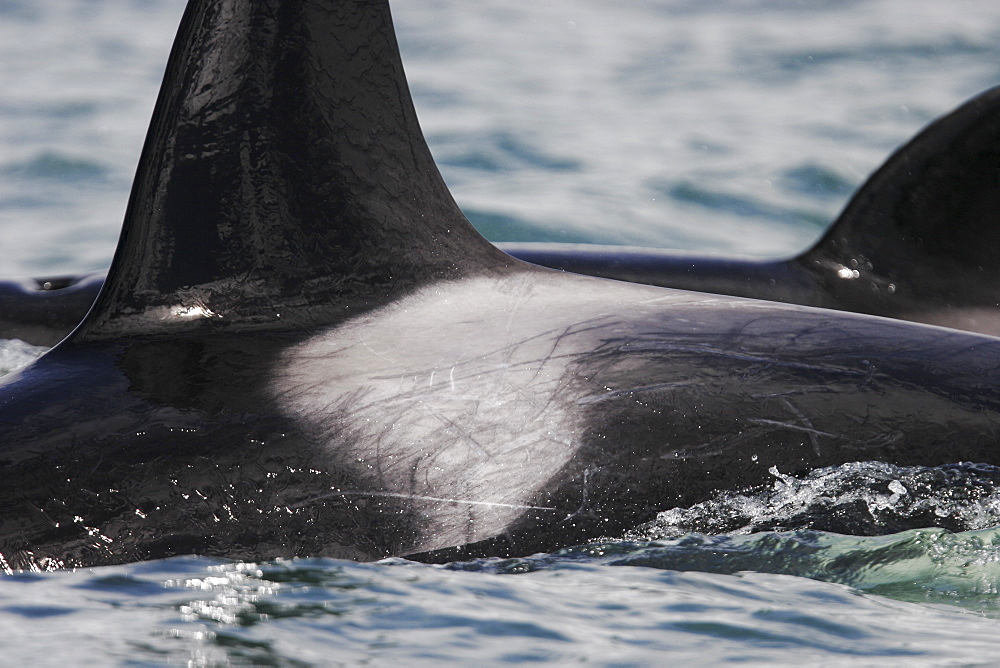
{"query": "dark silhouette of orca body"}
pixel 917 242
pixel 303 348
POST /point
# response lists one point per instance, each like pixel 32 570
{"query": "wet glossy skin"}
pixel 304 349
pixel 570 420
pixel 916 243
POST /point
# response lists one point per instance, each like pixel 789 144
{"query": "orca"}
pixel 302 347
pixel 916 243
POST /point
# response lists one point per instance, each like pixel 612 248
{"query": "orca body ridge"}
pixel 303 348
pixel 915 243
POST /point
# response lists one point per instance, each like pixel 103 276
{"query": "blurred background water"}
pixel 730 126
pixel 734 126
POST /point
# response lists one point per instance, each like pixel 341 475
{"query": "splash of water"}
pixel 15 354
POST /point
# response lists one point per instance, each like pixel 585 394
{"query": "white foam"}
pixel 15 354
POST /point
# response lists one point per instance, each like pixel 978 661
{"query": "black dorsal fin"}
pixel 924 231
pixel 284 180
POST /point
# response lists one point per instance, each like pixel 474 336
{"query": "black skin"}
pixel 283 154
pixel 170 445
pixel 920 233
pixel 286 201
pixel 165 447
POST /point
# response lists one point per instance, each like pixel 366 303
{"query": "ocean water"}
pixel 733 126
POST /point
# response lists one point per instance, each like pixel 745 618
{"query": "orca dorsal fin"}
pixel 284 180
pixel 923 233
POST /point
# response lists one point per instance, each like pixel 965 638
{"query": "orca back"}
pixel 923 233
pixel 918 241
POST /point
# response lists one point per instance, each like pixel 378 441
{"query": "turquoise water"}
pixel 727 126
pixel 583 606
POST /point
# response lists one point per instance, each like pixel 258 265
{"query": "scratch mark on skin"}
pixel 532 400
pixel 614 394
pixel 792 393
pixel 464 432
pixel 795 427
pixel 643 346
pixel 505 351
pixel 407 431
pixel 531 364
pixel 868 381
pixel 805 421
pixel 584 497
pixel 377 354
pixel 571 329
pixel 712 301
pixel 416 497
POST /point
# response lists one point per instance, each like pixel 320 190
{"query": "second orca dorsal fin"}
pixel 284 181
pixel 923 233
